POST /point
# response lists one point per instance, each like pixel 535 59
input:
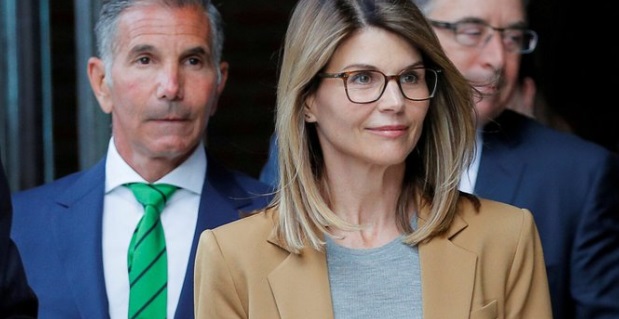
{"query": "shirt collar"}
pixel 189 175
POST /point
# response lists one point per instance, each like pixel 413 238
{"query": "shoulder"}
pixel 86 186
pixel 247 192
pixel 246 239
pixel 494 223
pixel 230 181
pixel 91 176
pixel 257 225
pixel 542 144
pixel 50 190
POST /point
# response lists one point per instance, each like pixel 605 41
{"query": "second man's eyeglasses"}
pixel 476 33
pixel 367 86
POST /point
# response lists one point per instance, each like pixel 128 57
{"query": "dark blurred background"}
pixel 575 67
pixel 50 124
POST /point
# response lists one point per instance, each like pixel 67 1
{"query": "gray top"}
pixel 383 282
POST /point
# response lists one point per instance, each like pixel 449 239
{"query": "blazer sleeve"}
pixel 528 294
pixel 215 295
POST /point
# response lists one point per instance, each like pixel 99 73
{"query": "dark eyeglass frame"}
pixel 454 26
pixel 345 75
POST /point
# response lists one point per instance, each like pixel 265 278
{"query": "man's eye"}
pixel 194 61
pixel 516 36
pixel 144 60
pixel 470 29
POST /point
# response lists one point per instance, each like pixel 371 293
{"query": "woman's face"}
pixel 381 133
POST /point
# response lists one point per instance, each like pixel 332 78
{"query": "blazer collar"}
pixel 307 274
pixel 447 274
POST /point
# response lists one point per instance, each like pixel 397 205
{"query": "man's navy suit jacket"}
pixel 572 188
pixel 57 227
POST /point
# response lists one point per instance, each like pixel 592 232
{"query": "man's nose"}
pixel 170 83
pixel 493 50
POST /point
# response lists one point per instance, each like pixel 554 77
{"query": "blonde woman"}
pixel 375 126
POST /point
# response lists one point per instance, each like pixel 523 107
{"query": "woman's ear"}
pixel 99 84
pixel 308 109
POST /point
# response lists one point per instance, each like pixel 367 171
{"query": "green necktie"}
pixel 147 258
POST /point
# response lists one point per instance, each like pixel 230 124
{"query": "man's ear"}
pixel 223 71
pixel 223 77
pixel 99 85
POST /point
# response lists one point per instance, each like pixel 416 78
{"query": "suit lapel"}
pixel 76 231
pixel 500 169
pixel 448 276
pixel 221 202
pixel 300 285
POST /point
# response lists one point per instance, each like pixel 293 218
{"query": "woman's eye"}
pixel 362 78
pixel 409 78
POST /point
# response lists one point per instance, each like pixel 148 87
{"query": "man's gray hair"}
pixel 107 25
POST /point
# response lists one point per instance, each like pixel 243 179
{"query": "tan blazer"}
pixel 488 265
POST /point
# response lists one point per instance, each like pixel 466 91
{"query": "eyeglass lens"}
pixel 367 86
pixel 478 33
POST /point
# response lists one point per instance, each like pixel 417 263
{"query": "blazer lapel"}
pixel 300 286
pixel 448 276
pixel 76 231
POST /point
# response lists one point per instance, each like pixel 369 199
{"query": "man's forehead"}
pixel 152 20
pixel 497 11
pixel 164 19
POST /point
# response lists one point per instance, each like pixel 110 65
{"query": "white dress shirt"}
pixel 122 211
pixel 469 176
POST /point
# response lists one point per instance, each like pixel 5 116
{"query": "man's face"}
pixel 490 67
pixel 163 86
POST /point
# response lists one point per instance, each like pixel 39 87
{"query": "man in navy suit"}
pixel 17 300
pixel 570 185
pixel 159 74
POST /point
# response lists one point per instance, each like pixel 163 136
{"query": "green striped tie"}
pixel 147 258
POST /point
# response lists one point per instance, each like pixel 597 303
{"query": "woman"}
pixel 375 126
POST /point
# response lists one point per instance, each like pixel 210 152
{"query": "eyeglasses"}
pixel 367 86
pixel 476 33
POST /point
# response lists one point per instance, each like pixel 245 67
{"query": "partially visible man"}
pixel 570 185
pixel 17 300
pixel 159 74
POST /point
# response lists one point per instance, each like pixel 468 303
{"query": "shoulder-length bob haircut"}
pixel 433 169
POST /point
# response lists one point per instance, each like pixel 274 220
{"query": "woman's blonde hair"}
pixel 433 169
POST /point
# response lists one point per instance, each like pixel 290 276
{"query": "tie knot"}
pixel 155 195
